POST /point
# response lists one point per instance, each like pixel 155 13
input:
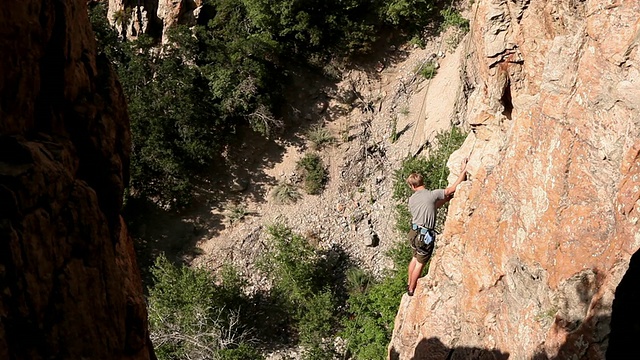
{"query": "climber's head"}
pixel 415 180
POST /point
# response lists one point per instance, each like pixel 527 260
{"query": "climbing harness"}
pixel 427 235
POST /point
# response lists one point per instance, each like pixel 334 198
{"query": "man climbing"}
pixel 423 205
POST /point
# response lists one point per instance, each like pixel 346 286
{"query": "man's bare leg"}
pixel 412 265
pixel 415 269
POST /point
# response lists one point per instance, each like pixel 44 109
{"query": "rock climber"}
pixel 422 206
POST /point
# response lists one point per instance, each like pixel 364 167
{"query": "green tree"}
pixel 453 18
pixel 412 16
pixel 369 326
pixel 106 36
pixel 372 307
pixel 190 317
pixel 186 98
pixel 334 28
pixel 308 286
pixel 175 127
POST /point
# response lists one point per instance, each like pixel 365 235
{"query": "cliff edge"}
pixel 69 284
pixel 537 242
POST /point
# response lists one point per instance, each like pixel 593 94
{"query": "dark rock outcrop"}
pixel 69 284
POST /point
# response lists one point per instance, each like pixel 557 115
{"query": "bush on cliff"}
pixel 314 173
pixel 192 314
pixel 371 310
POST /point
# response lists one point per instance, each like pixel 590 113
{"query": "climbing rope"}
pixel 445 161
pixel 424 100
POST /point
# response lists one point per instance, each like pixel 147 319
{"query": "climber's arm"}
pixel 442 202
pixel 449 191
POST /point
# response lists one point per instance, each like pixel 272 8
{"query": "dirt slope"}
pixel 361 169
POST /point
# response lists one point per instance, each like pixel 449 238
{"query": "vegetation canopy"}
pixel 315 295
pixel 188 96
pixel 187 99
pixel 191 317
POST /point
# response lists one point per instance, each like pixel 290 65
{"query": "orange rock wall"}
pixel 537 242
pixel 69 283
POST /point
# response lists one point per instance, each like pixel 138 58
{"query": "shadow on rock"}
pixel 584 336
pixel 434 349
pixel 625 314
pixel 600 336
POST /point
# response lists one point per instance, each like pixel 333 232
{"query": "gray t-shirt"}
pixel 422 205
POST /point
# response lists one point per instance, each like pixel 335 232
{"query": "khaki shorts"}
pixel 421 252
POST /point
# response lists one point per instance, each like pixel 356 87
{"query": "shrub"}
pixel 428 169
pixel 415 13
pixel 403 218
pixel 319 319
pixel 453 40
pixel 290 263
pixel 121 17
pixel 244 351
pixel 418 41
pixel 433 170
pixel 315 175
pixel 370 325
pixel 285 193
pixel 394 130
pixel 428 70
pixel 189 317
pixel 453 18
pixel 307 283
pixel 344 132
pixel 358 280
pixel 401 254
pixel 320 137
pixel 236 213
pixel 371 312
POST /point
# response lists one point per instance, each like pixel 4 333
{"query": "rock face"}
pixel 152 17
pixel 538 241
pixel 69 284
